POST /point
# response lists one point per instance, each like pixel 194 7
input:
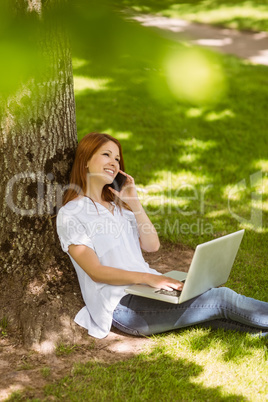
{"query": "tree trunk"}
pixel 38 139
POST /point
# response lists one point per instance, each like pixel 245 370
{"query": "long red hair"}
pixel 87 147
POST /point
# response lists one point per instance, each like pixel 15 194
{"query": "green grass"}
pixel 238 14
pixel 65 349
pixel 45 371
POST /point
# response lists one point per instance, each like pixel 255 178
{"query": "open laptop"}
pixel 210 267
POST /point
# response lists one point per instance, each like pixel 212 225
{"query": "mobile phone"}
pixel 118 182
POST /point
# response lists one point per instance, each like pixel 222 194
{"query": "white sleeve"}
pixel 71 231
pixel 132 219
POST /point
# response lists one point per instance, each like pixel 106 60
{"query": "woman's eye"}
pixel 106 154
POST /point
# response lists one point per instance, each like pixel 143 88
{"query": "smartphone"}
pixel 119 181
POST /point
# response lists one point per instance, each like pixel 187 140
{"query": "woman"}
pixel 103 231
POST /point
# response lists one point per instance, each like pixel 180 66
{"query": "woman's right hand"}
pixel 87 259
pixel 163 282
pixel 128 192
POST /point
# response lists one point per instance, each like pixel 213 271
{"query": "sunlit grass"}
pixel 224 114
pixel 169 180
pixel 120 136
pixel 209 115
pixel 83 83
pixel 77 63
pixel 261 164
pixel 194 112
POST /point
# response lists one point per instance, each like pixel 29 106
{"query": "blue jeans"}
pixel 216 308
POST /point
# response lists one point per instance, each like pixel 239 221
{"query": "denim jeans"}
pixel 216 308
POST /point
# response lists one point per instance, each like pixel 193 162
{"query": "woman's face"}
pixel 105 163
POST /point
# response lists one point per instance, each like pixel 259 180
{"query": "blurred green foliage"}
pixel 100 32
pixel 20 58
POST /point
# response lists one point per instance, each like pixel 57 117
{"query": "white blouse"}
pixel 115 240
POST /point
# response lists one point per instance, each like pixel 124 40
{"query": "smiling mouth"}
pixel 110 171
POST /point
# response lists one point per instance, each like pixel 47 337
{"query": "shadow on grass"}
pixel 229 346
pixel 234 346
pixel 153 377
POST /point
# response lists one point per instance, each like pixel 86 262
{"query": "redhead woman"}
pixel 104 230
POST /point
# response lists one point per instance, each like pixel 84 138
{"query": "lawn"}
pixel 201 171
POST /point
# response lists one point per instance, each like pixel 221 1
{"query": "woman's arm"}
pixel 149 240
pixel 87 259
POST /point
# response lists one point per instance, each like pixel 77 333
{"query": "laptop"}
pixel 210 267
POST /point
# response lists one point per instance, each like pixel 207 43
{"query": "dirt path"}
pixel 252 46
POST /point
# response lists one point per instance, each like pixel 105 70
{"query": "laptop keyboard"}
pixel 173 292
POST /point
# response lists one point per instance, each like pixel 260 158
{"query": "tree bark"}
pixel 37 144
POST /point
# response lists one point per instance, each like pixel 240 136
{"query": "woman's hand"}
pixel 149 240
pixel 87 259
pixel 128 192
pixel 163 282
